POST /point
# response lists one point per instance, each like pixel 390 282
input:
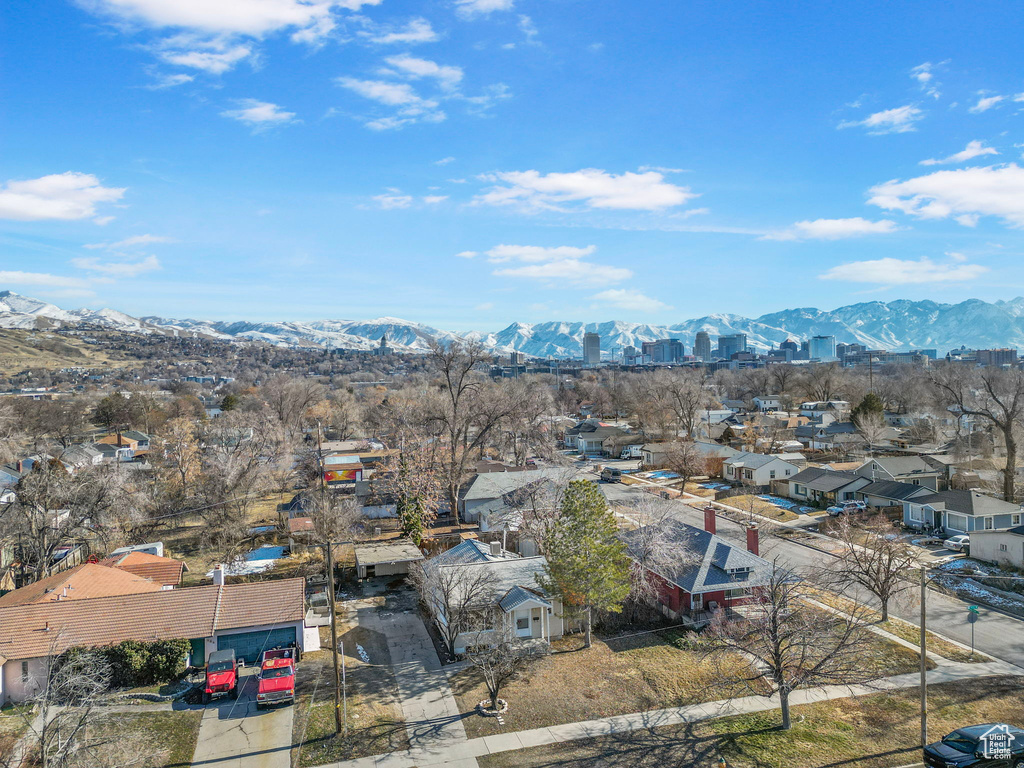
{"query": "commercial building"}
pixel 591 348
pixel 664 350
pixel 702 346
pixel 998 357
pixel 730 345
pixel 822 348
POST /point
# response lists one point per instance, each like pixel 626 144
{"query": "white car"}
pixel 957 543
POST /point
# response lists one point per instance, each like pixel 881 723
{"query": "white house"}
pixel 512 601
pixel 1002 547
pixel 766 403
pixel 757 469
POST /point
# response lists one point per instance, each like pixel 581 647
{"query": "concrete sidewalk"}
pixel 463 755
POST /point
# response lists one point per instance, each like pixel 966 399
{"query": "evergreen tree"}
pixel 587 565
pixel 868 411
pixel 229 403
pixel 409 506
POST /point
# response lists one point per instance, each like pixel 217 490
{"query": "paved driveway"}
pixel 234 734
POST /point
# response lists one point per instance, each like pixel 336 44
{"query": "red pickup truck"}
pixel 276 678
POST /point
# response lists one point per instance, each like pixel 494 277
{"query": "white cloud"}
pixel 215 57
pixel 629 299
pixel 259 114
pixel 833 229
pixel 470 8
pixel 118 268
pixel 926 78
pixel 411 107
pixel 444 161
pixel 903 272
pixel 170 81
pixel 593 187
pixel 130 242
pixel 64 196
pixel 985 103
pixel 492 94
pixel 245 17
pixel 529 30
pixel 536 253
pixel 695 212
pixel 467 254
pixel 973 149
pixel 962 194
pixel 417 30
pixel 896 120
pixel 572 271
pixel 434 199
pixel 412 67
pixel 393 200
pixel 41 279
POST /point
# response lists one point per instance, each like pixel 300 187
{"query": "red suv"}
pixel 276 678
pixel 221 675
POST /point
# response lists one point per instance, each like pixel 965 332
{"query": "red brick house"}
pixel 710 572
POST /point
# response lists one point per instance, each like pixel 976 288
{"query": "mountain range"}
pixel 895 325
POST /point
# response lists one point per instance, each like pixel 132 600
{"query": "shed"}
pixel 386 558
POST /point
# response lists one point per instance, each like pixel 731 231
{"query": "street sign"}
pixel 972 608
pixel 971 618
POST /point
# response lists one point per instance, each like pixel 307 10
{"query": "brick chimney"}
pixel 710 522
pixel 753 543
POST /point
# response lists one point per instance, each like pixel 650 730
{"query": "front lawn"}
pixel 160 739
pixel 875 731
pixel 375 722
pixel 749 503
pixel 614 677
pixel 14 721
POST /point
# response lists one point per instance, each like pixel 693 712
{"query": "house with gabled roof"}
pixel 163 570
pixel 757 468
pixel 889 493
pixel 914 470
pixel 247 618
pixel 956 512
pixel 510 600
pixel 817 485
pixel 710 572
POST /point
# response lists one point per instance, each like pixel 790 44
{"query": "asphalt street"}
pixel 996 634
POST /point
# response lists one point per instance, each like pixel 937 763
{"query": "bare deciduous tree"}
pixel 498 657
pixel 874 558
pixel 790 643
pixel 454 597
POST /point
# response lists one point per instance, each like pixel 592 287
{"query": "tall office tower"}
pixel 790 344
pixel 591 348
pixel 730 345
pixel 822 348
pixel 702 346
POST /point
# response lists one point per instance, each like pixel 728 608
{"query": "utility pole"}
pixel 330 590
pixel 924 658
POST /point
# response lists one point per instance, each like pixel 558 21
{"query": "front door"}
pixel 697 603
pixel 523 623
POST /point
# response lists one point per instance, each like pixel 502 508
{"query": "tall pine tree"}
pixel 587 565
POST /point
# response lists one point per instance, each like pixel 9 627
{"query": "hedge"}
pixel 134 662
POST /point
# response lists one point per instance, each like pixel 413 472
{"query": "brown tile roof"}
pixel 43 628
pixel 81 582
pixel 300 524
pixel 162 570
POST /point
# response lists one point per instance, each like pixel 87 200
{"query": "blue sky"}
pixel 469 163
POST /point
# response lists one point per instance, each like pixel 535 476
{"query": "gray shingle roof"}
pixel 824 480
pixel 890 489
pixel 709 558
pixel 494 485
pixel 506 574
pixel 969 503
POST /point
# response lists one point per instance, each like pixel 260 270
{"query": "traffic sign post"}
pixel 972 619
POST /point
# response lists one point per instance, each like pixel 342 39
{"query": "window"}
pixel 797 488
pixel 988 524
pixel 1014 519
pixel 24 671
pixel 916 514
pixel 787 473
pixel 1002 547
pixel 771 474
pixel 732 594
pixel 956 522
pixel 523 623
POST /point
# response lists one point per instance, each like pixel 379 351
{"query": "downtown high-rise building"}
pixel 591 348
pixel 731 344
pixel 702 346
pixel 822 348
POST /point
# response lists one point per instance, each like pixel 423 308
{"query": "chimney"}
pixel 753 543
pixel 218 575
pixel 496 549
pixel 710 523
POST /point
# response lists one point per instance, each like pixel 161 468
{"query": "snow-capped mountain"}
pixel 898 324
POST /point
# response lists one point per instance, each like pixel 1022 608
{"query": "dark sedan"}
pixel 991 745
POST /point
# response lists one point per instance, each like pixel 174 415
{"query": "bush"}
pixel 135 662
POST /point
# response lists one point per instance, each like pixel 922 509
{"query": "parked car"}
pixel 957 543
pixel 990 745
pixel 846 508
pixel 221 675
pixel 276 677
pixel 611 475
